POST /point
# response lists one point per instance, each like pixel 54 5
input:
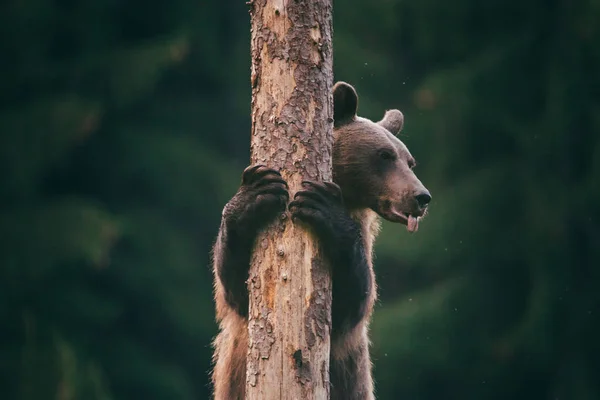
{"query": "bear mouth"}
pixel 410 219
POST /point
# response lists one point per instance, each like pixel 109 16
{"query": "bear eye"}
pixel 387 155
pixel 412 163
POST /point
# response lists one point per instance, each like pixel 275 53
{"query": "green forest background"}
pixel 124 128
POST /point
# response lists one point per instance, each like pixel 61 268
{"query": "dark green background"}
pixel 124 127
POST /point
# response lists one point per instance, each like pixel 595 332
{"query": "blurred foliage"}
pixel 124 128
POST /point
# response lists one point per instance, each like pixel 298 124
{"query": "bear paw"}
pixel 262 196
pixel 320 206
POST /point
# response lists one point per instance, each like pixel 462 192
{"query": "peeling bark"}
pixel 292 120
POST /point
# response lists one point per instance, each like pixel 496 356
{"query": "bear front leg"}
pixel 262 196
pixel 320 206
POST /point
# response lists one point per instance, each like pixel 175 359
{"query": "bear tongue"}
pixel 413 224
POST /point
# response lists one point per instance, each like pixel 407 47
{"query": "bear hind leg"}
pixel 229 371
pixel 350 373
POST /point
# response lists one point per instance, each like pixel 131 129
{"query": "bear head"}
pixel 372 166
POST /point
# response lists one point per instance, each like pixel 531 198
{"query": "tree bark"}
pixel 292 121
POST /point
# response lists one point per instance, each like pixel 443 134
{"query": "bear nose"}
pixel 423 198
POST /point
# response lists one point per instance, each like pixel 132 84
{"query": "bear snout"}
pixel 423 198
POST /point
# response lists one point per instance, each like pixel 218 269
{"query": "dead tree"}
pixel 292 121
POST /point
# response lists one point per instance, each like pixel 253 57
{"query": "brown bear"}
pixel 372 171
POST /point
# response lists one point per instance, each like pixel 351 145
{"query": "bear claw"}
pixel 262 196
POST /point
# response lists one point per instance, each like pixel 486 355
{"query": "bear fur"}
pixel 373 177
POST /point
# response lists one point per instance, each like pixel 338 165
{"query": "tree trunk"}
pixel 289 283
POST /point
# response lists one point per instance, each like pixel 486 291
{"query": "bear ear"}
pixel 345 103
pixel 393 121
